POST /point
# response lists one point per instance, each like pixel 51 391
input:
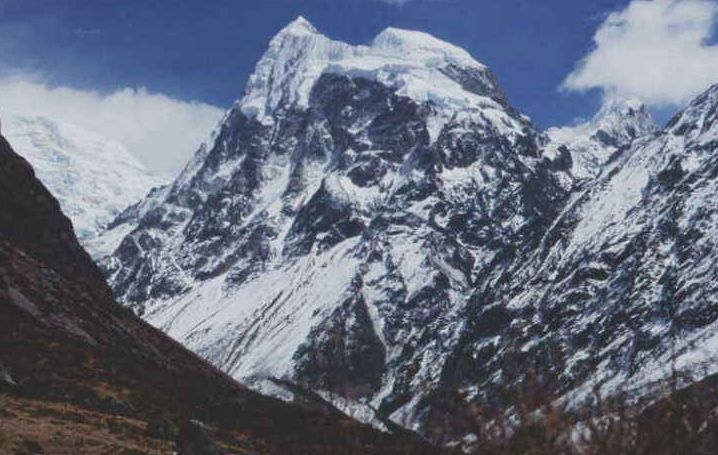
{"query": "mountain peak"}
pixel 415 64
pixel 417 43
pixel 617 124
pixel 625 117
pixel 398 37
pixel 629 107
pixel 299 26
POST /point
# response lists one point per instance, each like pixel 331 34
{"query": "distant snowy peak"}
pixel 592 144
pixel 622 121
pixel 417 65
pixel 93 178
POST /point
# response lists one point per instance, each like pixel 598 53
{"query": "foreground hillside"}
pixel 79 374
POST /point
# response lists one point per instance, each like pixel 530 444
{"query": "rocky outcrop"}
pixel 194 440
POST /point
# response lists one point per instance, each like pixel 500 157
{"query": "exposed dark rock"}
pixel 344 358
pixel 31 447
pixel 193 439
pixel 162 428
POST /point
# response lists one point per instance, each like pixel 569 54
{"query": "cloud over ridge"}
pixel 160 131
pixel 659 51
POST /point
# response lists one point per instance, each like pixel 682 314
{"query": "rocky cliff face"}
pixel 377 222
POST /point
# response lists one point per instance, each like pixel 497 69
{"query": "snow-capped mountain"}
pixel 595 142
pixel 93 178
pixel 352 191
pixel 377 222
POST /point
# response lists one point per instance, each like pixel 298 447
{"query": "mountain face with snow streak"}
pixel 626 274
pixel 377 222
pixel 93 178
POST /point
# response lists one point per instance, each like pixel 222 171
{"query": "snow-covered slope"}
pixel 93 178
pixel 623 282
pixel 377 222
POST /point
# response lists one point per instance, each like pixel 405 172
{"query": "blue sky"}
pixel 205 50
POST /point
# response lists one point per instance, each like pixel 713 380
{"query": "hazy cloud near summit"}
pixel 160 131
pixel 656 50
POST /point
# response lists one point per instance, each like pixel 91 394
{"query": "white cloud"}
pixel 162 132
pixel 656 50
